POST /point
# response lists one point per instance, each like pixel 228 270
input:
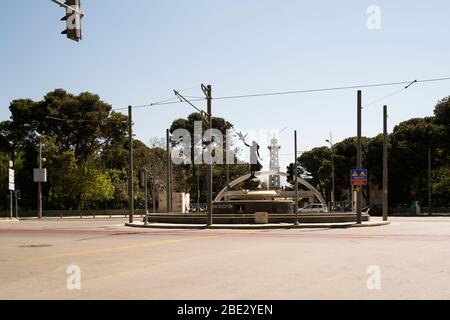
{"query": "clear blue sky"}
pixel 136 52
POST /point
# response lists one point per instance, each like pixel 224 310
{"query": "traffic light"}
pixel 290 172
pixel 73 20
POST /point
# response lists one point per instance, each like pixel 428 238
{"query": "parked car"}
pixel 312 207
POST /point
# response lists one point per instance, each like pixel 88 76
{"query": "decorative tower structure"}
pixel 274 180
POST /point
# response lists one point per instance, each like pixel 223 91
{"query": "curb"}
pixel 9 220
pixel 258 227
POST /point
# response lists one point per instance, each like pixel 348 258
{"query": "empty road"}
pixel 408 259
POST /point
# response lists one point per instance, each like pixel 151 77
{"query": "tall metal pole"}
pixel 168 180
pixel 171 185
pixel 333 190
pixel 209 176
pixel 11 166
pixel 10 204
pixel 146 197
pixel 198 188
pixel 430 211
pixel 359 158
pixel 39 183
pixel 385 166
pixel 228 176
pixel 130 165
pixel 16 207
pixel 154 183
pixel 295 178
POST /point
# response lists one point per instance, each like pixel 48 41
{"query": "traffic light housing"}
pixel 290 172
pixel 73 20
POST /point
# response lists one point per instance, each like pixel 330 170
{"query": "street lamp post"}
pixel 330 141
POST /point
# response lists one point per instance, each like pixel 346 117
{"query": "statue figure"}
pixel 255 165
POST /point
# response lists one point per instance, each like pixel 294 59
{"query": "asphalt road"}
pixel 409 259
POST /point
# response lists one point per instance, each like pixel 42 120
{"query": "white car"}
pixel 312 207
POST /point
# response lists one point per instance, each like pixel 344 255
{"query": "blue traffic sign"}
pixel 358 177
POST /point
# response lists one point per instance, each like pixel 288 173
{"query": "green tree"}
pixel 97 186
pixel 195 174
pixel 318 163
pixel 441 187
pixel 77 128
pixel 409 156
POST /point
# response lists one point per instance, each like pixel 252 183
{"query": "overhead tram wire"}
pixel 165 101
pixel 391 94
pixel 385 97
pixel 84 120
pixel 175 100
pixel 162 101
pixel 408 83
pixel 268 94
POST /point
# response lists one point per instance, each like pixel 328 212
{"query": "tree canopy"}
pixel 408 160
pixel 85 146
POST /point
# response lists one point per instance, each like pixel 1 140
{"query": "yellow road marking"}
pixel 101 250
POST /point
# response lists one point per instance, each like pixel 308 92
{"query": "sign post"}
pixel 358 178
pixel 11 187
pixel 40 176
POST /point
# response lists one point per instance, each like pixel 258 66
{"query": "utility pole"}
pixel 168 174
pixel 154 182
pixel 11 184
pixel 16 207
pixel 209 178
pixel 385 166
pixel 10 204
pixel 145 180
pixel 198 187
pixel 130 165
pixel 207 90
pixel 228 171
pixel 171 181
pixel 430 211
pixel 333 192
pixel 228 177
pixel 359 157
pixel 296 178
pixel 39 183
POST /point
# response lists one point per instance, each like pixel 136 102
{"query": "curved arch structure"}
pixel 267 173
